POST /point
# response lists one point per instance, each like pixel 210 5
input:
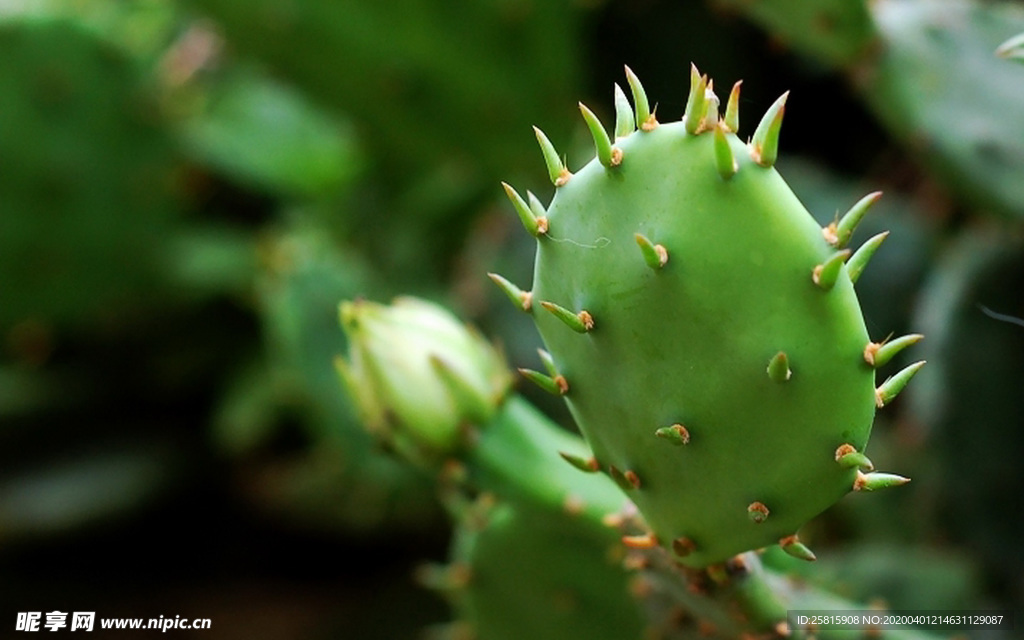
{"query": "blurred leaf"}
pixel 837 32
pixel 85 176
pixel 940 90
pixel 969 396
pixel 141 27
pixel 424 78
pixel 210 260
pixel 60 497
pixel 262 133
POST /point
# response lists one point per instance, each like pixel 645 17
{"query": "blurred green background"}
pixel 189 188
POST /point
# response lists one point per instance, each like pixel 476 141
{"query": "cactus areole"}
pixel 682 289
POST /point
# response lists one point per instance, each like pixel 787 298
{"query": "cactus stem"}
pixel 587 465
pixel 878 354
pixel 605 153
pixel 557 385
pixel 892 386
pixel 643 108
pixel 627 480
pixel 696 102
pixel 581 322
pixel 557 170
pixel 625 123
pixel 683 546
pixel 643 541
pixel 677 434
pixel 826 274
pixel 757 512
pixel 764 147
pixel 535 225
pixel 732 108
pixel 793 546
pixel 876 481
pixel 655 255
pixel 860 258
pixel 520 298
pixel 838 233
pixel 848 457
pixel 724 160
pixel 778 368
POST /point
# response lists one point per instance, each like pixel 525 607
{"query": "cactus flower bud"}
pixel 417 374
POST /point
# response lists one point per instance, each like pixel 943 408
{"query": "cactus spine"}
pixel 706 331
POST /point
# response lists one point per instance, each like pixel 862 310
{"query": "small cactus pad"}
pixel 751 284
pixel 538 577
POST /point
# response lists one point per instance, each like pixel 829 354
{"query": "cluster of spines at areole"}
pixel 702 117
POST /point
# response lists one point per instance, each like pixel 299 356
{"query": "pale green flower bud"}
pixel 418 374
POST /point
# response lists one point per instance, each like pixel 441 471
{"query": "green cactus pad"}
pixel 533 576
pixel 733 338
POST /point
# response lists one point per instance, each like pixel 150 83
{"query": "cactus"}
pixel 535 552
pixel 706 330
pixel 521 573
pixel 438 395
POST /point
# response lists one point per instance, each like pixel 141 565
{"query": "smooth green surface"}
pixel 691 342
